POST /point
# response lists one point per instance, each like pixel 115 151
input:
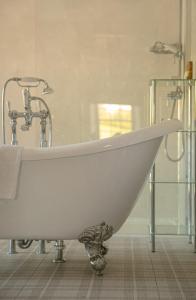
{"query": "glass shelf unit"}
pixel 172 180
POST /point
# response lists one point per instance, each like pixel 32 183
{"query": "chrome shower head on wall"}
pixel 163 48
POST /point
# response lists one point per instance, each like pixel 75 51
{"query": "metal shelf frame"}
pixel 190 152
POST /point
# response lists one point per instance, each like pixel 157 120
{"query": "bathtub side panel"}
pixel 58 198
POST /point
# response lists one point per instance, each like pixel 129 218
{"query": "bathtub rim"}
pixel 102 145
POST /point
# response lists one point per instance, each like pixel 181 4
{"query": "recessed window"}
pixel 114 119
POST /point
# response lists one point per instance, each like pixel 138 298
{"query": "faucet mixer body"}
pixel 28 115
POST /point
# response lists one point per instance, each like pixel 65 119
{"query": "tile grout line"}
pixel 173 271
pixel 37 267
pixel 135 295
pixel 20 265
pixel 150 257
pixel 53 273
pixel 88 295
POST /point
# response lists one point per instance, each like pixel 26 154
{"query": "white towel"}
pixel 10 160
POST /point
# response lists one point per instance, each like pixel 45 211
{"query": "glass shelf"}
pixel 173 82
pixel 186 131
pixel 172 182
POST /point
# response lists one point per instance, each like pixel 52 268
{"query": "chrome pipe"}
pixel 24 244
pixel 3 107
pixel 11 247
pixel 49 117
pixel 41 247
pixel 59 245
pixel 194 159
pixel 152 174
pixel 189 174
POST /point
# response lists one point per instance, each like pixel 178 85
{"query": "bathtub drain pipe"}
pixel 24 244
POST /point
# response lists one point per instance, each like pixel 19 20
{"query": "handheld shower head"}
pixel 30 79
pixel 31 82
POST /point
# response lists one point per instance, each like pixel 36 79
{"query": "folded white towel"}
pixel 10 159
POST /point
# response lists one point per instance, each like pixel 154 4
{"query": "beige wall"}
pixel 90 51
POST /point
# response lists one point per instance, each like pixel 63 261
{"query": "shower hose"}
pixel 182 134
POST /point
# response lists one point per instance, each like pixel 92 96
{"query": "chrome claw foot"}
pixel 93 238
pixel 98 263
pixel 59 245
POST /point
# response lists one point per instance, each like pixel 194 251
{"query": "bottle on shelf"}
pixel 189 70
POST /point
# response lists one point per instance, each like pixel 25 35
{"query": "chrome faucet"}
pixel 28 114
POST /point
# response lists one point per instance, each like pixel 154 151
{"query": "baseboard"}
pixel 141 226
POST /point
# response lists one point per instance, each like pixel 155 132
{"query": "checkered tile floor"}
pixel 132 272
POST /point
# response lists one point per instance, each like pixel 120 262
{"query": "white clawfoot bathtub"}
pixel 63 190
